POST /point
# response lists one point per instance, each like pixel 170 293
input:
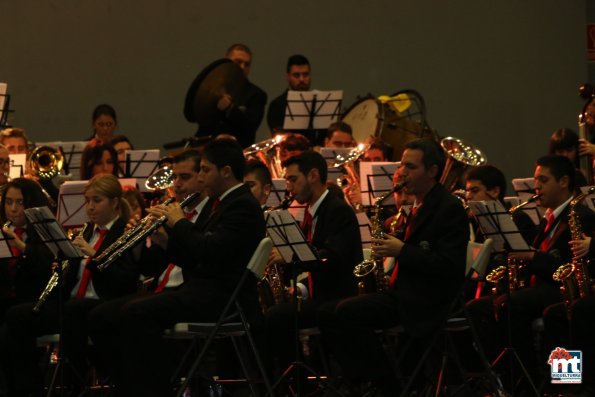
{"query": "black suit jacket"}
pixel 432 261
pixel 338 242
pixel 118 279
pixel 242 119
pixel 557 252
pixel 276 112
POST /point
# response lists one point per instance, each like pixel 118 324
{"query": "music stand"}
pixel 524 188
pixel 496 223
pixel 379 181
pixel 330 155
pixel 4 105
pixel 288 238
pixel 18 163
pixel 72 152
pixel 55 239
pixel 278 192
pixel 141 164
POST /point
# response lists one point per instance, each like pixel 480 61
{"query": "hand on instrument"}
pixel 522 255
pixel 275 257
pixel 83 245
pixel 388 246
pixel 580 248
pixel 172 211
pixel 14 240
pixel 224 102
pixel 586 148
pixel 354 194
pixel 132 222
pixel 160 237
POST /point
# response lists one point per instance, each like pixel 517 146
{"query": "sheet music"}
pixel 5 251
pixel 287 237
pixel 51 233
pixel 323 106
pixel 73 151
pixel 3 90
pixel 330 155
pixel 277 192
pixel 524 188
pixel 18 165
pixel 496 223
pixel 141 164
pixel 369 171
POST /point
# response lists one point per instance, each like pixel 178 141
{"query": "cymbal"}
pixel 220 77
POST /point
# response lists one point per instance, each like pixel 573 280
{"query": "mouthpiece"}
pixel 398 187
pixel 533 198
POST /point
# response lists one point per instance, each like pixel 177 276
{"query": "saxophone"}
pixel 55 278
pixel 574 276
pixel 373 264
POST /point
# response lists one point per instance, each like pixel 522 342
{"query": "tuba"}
pixel 46 162
pixel 460 155
pixel 574 276
pixel 268 152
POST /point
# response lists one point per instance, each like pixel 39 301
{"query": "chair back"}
pixel 478 256
pixel 260 257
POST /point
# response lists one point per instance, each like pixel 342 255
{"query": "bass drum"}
pixel 381 119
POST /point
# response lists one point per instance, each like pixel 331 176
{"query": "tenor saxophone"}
pixel 55 278
pixel 574 276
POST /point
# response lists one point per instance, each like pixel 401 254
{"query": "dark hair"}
pixel 432 154
pixel 379 144
pixel 130 193
pixel 339 126
pixel 490 177
pixel 559 166
pixel 298 60
pixel 308 161
pixel 189 154
pixel 564 139
pixel 92 155
pixel 260 171
pixel 239 47
pixel 226 152
pixel 106 109
pixel 120 138
pixel 295 141
pixel 32 194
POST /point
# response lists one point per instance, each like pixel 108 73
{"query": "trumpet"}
pixel 46 162
pixel 132 237
pixel 55 278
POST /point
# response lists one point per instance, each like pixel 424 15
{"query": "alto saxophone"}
pixel 374 265
pixel 55 278
pixel 574 276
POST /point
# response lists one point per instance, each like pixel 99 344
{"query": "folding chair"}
pixel 228 326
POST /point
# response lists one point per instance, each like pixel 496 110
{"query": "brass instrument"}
pixel 346 163
pixel 46 162
pixel 574 276
pixel 268 152
pixel 460 155
pixel 132 237
pixel 513 266
pixel 55 278
pixel 373 264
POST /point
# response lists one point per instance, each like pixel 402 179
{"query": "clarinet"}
pixel 55 278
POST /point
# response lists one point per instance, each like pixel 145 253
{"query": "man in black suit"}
pixel 554 181
pixel 241 116
pixel 331 227
pixel 222 247
pixel 430 268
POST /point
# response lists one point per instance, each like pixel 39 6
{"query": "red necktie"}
pixel 393 276
pixel 306 227
pixel 18 231
pixel 80 294
pixel 546 240
pixel 170 267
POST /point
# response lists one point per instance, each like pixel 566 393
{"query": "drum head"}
pixel 364 117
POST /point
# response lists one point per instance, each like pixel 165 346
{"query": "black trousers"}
pixel 23 326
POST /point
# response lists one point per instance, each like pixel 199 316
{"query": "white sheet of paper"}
pixel 277 192
pixel 371 174
pixel 3 90
pixel 143 163
pixel 18 164
pixel 525 189
pixel 51 233
pixel 287 237
pixel 300 104
pixel 330 155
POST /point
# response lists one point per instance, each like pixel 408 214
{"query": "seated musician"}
pixel 376 150
pixel 84 288
pixel 565 142
pixel 15 140
pixel 105 123
pixel 339 135
pixel 121 144
pixel 23 276
pixel 293 144
pixel 331 227
pixel 4 167
pixel 258 178
pixel 98 159
pixel 213 257
pixel 430 269
pixel 554 180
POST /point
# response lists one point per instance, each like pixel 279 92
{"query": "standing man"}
pixel 298 79
pixel 241 116
pixel 222 247
pixel 430 269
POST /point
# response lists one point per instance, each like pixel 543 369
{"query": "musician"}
pixel 15 140
pixel 121 144
pixel 221 249
pixel 105 123
pixel 431 266
pixel 240 116
pixel 24 276
pixel 98 159
pixel 4 166
pixel 339 135
pixel 293 144
pixel 565 142
pixel 554 180
pixel 84 288
pixel 376 151
pixel 331 227
pixel 258 178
